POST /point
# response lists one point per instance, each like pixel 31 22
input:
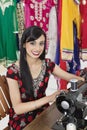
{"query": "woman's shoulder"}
pixel 13 70
pixel 13 67
pixel 48 60
pixel 49 65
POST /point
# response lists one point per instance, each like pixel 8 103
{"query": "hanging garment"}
pixel 52 34
pixel 83 43
pixel 59 16
pixel 62 84
pixel 70 13
pixel 20 18
pixel 8 28
pixel 74 64
pixel 37 13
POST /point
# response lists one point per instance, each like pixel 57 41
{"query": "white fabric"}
pixel 4 122
pixel 3 70
pixel 52 34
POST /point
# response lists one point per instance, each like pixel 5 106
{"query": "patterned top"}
pixel 18 122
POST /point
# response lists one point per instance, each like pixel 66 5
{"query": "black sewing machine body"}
pixel 73 105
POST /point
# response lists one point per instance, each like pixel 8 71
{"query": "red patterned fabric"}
pixel 83 44
pixel 18 122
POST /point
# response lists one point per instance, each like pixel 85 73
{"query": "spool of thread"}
pixel 74 84
pixel 70 126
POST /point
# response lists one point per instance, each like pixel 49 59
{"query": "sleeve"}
pixel 12 73
pixel 50 65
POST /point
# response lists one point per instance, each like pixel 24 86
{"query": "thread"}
pixel 74 84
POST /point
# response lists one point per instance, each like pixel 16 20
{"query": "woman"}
pixel 28 79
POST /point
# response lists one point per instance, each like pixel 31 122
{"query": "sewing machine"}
pixel 73 105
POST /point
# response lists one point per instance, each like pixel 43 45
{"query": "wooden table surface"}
pixel 45 120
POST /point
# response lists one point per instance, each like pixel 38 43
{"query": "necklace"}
pixel 38 9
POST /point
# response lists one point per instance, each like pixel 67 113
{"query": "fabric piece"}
pixel 63 83
pixel 52 34
pixel 74 64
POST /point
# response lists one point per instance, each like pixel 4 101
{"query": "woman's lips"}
pixel 35 53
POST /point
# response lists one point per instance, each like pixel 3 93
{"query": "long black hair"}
pixel 30 34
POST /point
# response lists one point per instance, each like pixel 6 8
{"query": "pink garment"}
pixel 37 13
pixel 27 15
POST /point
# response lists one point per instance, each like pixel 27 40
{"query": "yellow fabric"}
pixel 70 13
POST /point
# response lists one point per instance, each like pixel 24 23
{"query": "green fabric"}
pixel 8 25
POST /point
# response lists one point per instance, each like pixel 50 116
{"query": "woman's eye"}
pixel 41 43
pixel 32 43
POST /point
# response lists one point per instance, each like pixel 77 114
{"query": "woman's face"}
pixel 35 48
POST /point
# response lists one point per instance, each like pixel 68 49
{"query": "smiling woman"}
pixel 35 48
pixel 28 79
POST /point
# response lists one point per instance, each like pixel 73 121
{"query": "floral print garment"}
pixel 18 122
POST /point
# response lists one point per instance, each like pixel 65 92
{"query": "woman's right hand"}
pixel 52 97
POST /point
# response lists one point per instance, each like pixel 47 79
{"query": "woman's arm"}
pixel 65 75
pixel 20 107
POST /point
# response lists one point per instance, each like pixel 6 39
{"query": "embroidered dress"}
pixel 18 122
pixel 70 13
pixel 37 13
pixel 8 27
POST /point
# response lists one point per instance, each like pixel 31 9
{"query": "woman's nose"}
pixel 37 47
